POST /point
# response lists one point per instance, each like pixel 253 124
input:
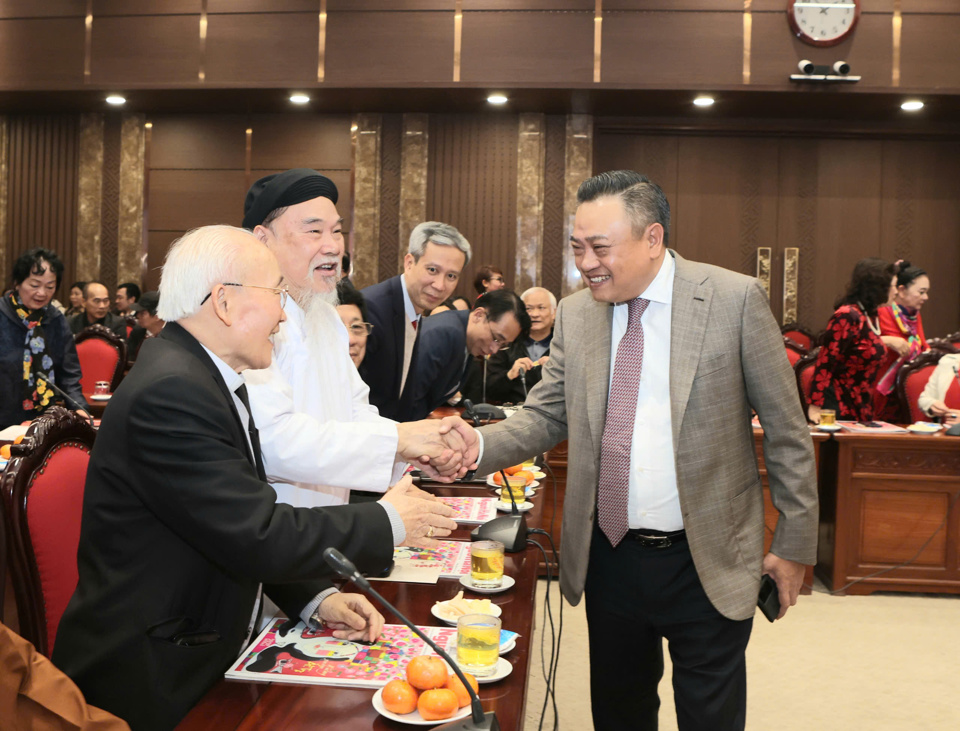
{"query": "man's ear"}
pixel 655 238
pixel 221 306
pixel 479 314
pixel 408 262
pixel 262 233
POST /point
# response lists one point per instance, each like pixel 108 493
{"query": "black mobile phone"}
pixel 769 599
pixel 871 424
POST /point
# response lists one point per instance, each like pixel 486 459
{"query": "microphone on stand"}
pixel 523 382
pixel 70 401
pixel 478 721
pixel 511 530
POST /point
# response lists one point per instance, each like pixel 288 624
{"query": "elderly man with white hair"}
pixel 180 529
pixel 319 434
pixel 512 372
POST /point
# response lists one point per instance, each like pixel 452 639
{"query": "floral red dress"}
pixel 847 365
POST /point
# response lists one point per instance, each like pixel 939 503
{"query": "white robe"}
pixel 319 435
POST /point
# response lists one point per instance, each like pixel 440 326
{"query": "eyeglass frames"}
pixel 282 291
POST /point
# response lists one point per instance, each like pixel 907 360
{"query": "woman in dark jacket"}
pixel 36 346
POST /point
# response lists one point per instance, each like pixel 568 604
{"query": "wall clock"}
pixel 823 22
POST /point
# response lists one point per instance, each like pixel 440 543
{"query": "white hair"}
pixel 197 261
pixel 441 234
pixel 532 290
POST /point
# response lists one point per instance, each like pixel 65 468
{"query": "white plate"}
pixel 495 611
pixel 491 482
pixel 507 646
pixel 923 427
pixel 415 719
pixel 504 668
pixel 522 507
pixel 508 583
pixel 529 492
pixel 101 396
pixel 829 427
pixel 538 475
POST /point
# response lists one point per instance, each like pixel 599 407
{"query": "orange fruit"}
pixel 18 439
pixel 513 479
pixel 514 470
pixel 436 705
pixel 527 475
pixel 399 697
pixel 463 697
pixel 426 672
pixel 5 451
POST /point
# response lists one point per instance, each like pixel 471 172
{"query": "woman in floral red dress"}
pixel 851 349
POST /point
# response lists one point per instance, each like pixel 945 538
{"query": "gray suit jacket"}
pixel 726 357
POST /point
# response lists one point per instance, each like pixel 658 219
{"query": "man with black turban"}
pixel 319 436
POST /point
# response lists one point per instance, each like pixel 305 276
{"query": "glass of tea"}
pixel 828 417
pixel 486 564
pixel 478 644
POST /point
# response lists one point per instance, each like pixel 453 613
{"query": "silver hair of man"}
pixel 550 295
pixel 441 234
pixel 197 261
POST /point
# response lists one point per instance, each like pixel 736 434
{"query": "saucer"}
pixel 529 492
pixel 415 719
pixel 450 619
pixel 504 668
pixel 508 583
pixel 923 427
pixel 829 427
pixel 507 507
pixel 101 396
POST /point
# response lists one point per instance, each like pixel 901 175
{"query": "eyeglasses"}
pixel 360 329
pixel 282 291
pixel 498 340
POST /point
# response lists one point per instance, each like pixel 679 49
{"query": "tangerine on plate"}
pixel 513 479
pixel 5 451
pixel 17 439
pixel 463 696
pixel 436 705
pixel 426 672
pixel 525 474
pixel 399 697
pixel 514 470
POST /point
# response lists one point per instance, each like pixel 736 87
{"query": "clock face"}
pixel 823 23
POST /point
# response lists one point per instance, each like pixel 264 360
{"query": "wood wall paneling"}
pixel 263 6
pixel 528 47
pixel 212 142
pixel 41 188
pixel 46 9
pixel 411 47
pixel 110 201
pixel 896 525
pixel 159 50
pixel 158 243
pixel 387 5
pixel 472 184
pixel 390 163
pixel 928 41
pixel 301 141
pixel 5 268
pixel 184 199
pixel 542 5
pixel 920 221
pixel 734 6
pixel 642 48
pixel 251 50
pixel 39 54
pixel 775 51
pixel 144 7
pixel 727 201
pixel 554 239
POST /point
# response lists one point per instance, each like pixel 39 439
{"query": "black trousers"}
pixel 636 596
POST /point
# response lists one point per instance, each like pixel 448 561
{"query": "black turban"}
pixel 284 189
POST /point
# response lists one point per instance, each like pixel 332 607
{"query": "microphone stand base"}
pixel 490 723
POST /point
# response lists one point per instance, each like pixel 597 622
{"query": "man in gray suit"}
pixel 653 372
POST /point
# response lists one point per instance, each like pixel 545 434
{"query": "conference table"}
pixel 248 706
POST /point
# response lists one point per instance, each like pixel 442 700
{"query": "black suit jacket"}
pixel 78 323
pixel 177 532
pixel 500 389
pixel 382 367
pixel 438 367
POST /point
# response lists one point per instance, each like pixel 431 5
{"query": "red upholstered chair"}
pixel 911 380
pixel 954 338
pixel 41 493
pixel 795 351
pixel 804 370
pixel 798 334
pixel 945 344
pixel 103 356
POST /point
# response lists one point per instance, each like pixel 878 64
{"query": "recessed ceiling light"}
pixel 497 99
pixel 299 98
pixel 116 100
pixel 704 101
pixel 912 106
pixel 148 125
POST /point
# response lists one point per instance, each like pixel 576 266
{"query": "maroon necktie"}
pixel 618 429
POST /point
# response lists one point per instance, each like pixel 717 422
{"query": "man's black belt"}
pixel 656 539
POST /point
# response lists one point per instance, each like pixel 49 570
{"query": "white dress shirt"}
pixel 319 436
pixel 653 501
pixel 409 332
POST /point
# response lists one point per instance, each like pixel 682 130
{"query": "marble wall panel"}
pixel 365 232
pixel 530 165
pixel 791 276
pixel 4 177
pixel 413 180
pixel 131 254
pixel 90 194
pixel 578 167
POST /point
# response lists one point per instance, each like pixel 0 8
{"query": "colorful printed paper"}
pixel 475 510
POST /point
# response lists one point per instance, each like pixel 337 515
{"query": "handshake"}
pixel 443 449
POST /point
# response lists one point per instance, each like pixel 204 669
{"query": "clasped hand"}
pixel 443 449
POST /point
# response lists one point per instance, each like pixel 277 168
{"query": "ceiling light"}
pixel 299 98
pixel 116 100
pixel 912 106
pixel 704 101
pixel 148 125
pixel 497 99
